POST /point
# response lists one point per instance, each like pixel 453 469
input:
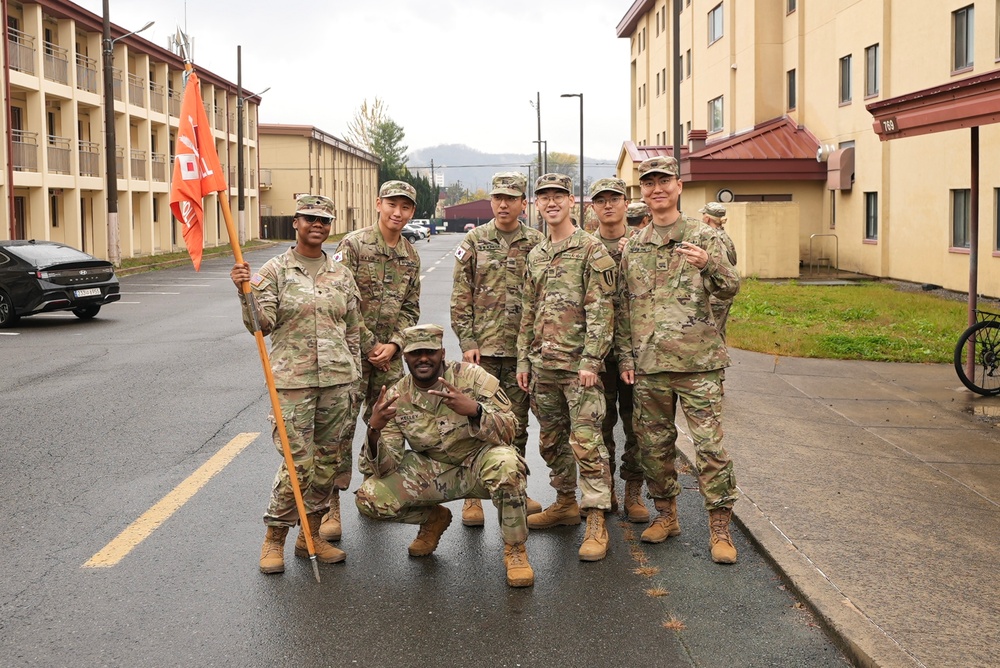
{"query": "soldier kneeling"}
pixel 460 427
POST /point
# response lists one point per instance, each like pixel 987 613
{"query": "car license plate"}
pixel 89 292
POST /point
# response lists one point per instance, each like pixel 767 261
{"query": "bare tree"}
pixel 361 129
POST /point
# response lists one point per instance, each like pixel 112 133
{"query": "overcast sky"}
pixel 449 71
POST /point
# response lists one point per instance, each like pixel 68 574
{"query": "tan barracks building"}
pixel 784 105
pixel 53 176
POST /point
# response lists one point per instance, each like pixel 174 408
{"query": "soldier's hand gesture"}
pixel 693 254
pixel 240 273
pixel 456 400
pixel 382 412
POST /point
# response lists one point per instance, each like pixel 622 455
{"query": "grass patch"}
pixel 863 321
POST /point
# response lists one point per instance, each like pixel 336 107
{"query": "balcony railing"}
pixel 90 159
pixel 252 183
pixel 220 118
pixel 265 179
pixel 159 167
pixel 117 84
pixel 208 108
pixel 136 86
pixel 138 164
pixel 120 162
pixel 232 175
pixel 174 104
pixel 59 149
pixel 156 97
pixel 252 130
pixel 25 148
pixel 86 73
pixel 22 51
pixel 56 63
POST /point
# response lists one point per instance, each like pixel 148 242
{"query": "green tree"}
pixel 387 143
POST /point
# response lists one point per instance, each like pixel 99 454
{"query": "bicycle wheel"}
pixel 985 379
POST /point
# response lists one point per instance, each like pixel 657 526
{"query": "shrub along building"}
pixel 776 103
pixel 298 159
pixel 53 180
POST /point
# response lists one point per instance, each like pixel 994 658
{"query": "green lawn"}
pixel 863 321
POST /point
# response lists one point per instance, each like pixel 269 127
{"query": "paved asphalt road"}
pixel 106 424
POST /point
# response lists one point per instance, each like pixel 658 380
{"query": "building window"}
pixel 963 25
pixel 715 114
pixel 657 84
pixel 871 216
pixel 687 63
pixel 664 77
pixel 715 24
pixel 996 217
pixel 687 131
pixel 960 202
pixel 845 80
pixel 790 6
pixel 790 82
pixel 872 70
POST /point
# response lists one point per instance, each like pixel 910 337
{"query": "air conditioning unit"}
pixel 824 151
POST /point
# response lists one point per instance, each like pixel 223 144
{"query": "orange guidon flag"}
pixel 197 171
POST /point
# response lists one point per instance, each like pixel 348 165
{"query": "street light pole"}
pixel 579 95
pixel 543 161
pixel 111 167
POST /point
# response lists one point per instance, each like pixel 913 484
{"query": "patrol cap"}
pixel 662 164
pixel 314 205
pixel 611 185
pixel 713 209
pixel 637 210
pixel 397 189
pixel 422 337
pixel 509 183
pixel 553 180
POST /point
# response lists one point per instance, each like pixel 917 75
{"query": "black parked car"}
pixel 40 276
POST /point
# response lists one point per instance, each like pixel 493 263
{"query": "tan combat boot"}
pixel 472 513
pixel 635 507
pixel 519 573
pixel 531 507
pixel 325 553
pixel 595 541
pixel 665 525
pixel 329 530
pixel 430 532
pixel 564 511
pixel 272 553
pixel 723 550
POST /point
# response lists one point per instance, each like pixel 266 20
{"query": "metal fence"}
pixel 59 154
pixel 21 51
pixel 86 73
pixel 90 159
pixel 56 63
pixel 25 148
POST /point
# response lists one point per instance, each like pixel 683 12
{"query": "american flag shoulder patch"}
pixel 256 280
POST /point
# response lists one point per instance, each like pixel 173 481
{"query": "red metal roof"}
pixel 777 139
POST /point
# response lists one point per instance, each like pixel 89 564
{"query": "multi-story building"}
pixel 53 177
pixel 773 97
pixel 301 159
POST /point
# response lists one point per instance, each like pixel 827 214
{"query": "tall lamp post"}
pixel 240 185
pixel 543 161
pixel 114 250
pixel 579 95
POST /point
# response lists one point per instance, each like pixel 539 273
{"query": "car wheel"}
pixel 87 312
pixel 7 315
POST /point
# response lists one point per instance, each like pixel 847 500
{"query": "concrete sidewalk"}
pixel 875 488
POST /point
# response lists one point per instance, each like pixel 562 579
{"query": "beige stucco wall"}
pixel 912 177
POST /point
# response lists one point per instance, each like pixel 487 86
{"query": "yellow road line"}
pixel 139 530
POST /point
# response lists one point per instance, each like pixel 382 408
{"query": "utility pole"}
pixel 538 108
pixel 111 171
pixel 241 216
pixel 678 128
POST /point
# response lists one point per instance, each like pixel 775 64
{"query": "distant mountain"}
pixel 458 162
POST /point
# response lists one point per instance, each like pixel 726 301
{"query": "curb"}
pixel 863 641
pixel 166 264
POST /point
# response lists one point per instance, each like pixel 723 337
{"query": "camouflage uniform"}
pixel 567 326
pixel 389 282
pixel 447 458
pixel 486 306
pixel 666 334
pixel 720 307
pixel 315 331
pixel 618 396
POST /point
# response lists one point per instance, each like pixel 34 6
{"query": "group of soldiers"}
pixel 578 328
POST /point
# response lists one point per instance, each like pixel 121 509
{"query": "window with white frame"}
pixel 845 79
pixel 715 114
pixel 963 28
pixel 871 216
pixel 960 205
pixel 715 24
pixel 872 70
